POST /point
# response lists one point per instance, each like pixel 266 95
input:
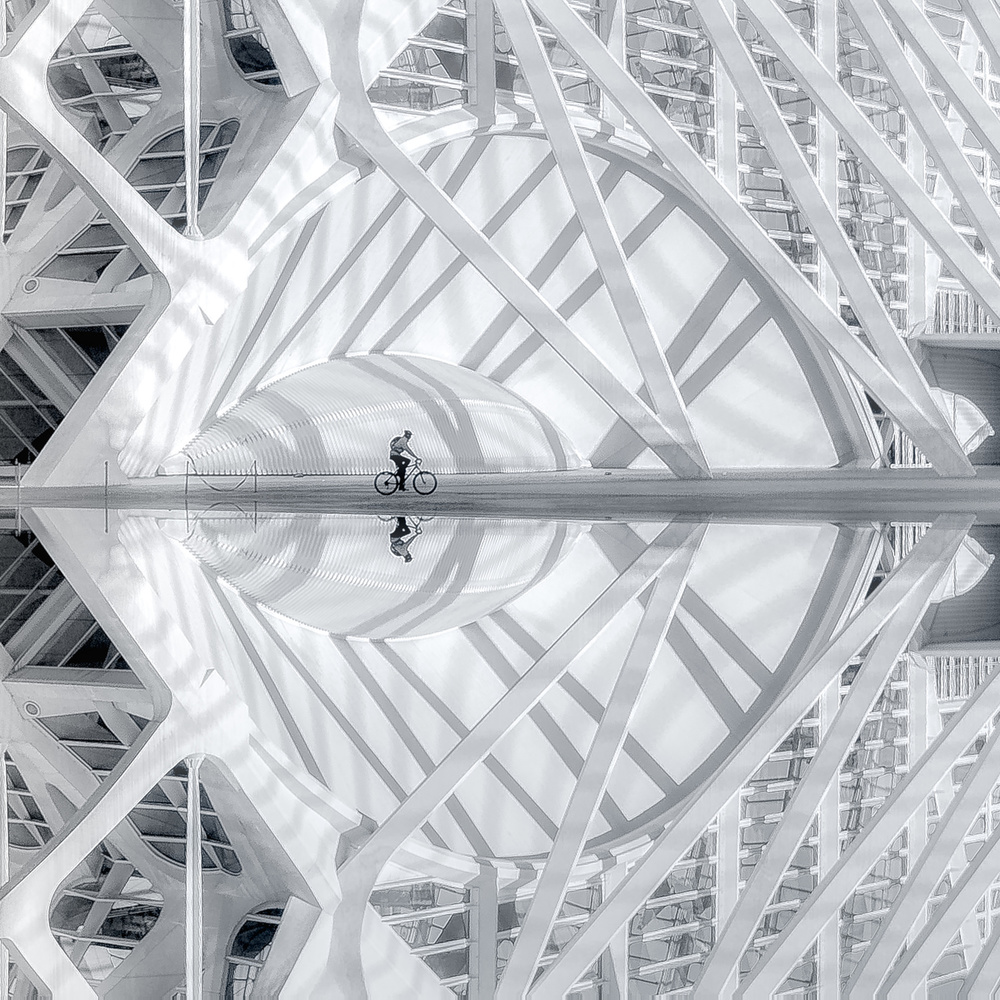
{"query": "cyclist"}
pixel 399 544
pixel 397 446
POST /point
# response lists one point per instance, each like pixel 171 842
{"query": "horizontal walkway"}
pixel 588 494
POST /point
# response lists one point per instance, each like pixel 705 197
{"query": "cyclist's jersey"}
pixel 398 445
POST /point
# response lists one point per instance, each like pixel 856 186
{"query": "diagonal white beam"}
pixel 593 781
pixel 597 227
pixel 863 138
pixel 822 219
pixel 983 976
pixel 358 119
pixel 820 776
pixel 862 854
pixel 927 120
pixel 927 872
pixel 985 20
pixel 797 293
pixel 698 810
pixel 938 932
pixel 976 111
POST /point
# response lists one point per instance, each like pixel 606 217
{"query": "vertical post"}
pixel 826 142
pixel 193 938
pixel 4 864
pixel 919 676
pixel 727 878
pixel 612 28
pixel 727 148
pixel 192 113
pixel 483 934
pixel 828 944
pixel 919 305
pixel 615 977
pixel 484 73
pixel 255 476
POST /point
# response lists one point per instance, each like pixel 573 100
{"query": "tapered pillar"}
pixel 192 113
pixel 193 921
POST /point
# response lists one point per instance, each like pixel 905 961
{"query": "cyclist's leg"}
pixel 403 464
pixel 399 462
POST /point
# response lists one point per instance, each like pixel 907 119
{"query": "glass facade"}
pixel 99 920
pixel 433 920
pixel 249 950
pixel 101 81
pixel 432 72
pixel 100 252
pixel 669 55
pixel 247 44
pixel 26 167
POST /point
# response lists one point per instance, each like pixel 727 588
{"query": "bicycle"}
pixel 421 480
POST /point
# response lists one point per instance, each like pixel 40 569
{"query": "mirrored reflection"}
pixel 674 757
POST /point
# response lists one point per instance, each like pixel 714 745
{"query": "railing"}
pixel 957 677
pixel 958 314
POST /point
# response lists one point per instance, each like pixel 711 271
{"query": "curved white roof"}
pixel 337 417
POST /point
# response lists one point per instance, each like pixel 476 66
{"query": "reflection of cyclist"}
pixel 399 543
pixel 397 446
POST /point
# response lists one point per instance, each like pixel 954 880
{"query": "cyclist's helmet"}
pixel 407 433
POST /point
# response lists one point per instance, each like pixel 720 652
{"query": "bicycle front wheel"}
pixel 425 482
pixel 386 483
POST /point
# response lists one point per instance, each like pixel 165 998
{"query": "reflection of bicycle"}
pixel 421 480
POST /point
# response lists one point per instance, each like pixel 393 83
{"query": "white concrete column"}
pixel 483 934
pixel 615 961
pixel 919 293
pixel 727 882
pixel 920 677
pixel 192 113
pixel 483 80
pixel 727 148
pixel 612 28
pixel 826 141
pixel 828 944
pixel 194 914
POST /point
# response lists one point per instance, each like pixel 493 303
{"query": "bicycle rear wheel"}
pixel 425 482
pixel 386 483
